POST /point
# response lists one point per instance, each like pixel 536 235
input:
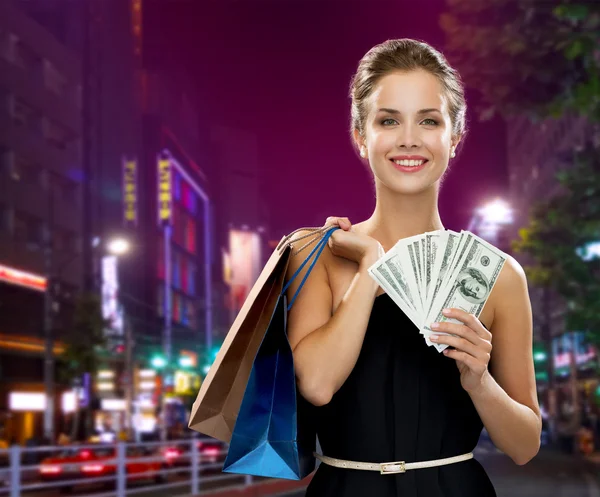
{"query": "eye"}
pixel 386 120
pixel 432 121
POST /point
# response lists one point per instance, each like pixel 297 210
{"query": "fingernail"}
pixel 435 325
pixel 433 338
pixel 446 311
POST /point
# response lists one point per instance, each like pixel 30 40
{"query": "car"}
pixel 210 451
pixel 93 462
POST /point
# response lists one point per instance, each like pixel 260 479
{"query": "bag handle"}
pixel 313 232
pixel 318 248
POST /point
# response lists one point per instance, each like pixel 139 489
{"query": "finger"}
pixel 342 222
pixel 461 344
pixel 471 362
pixel 468 319
pixel 457 329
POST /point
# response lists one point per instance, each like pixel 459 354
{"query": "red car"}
pixel 209 452
pixel 99 462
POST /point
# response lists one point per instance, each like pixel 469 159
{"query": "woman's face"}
pixel 414 122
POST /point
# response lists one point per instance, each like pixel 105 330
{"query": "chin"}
pixel 409 183
pixel 410 186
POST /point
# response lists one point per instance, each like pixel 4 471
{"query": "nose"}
pixel 408 136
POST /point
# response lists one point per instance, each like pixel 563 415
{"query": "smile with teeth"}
pixel 409 163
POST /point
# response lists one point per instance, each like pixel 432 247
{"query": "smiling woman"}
pixel 395 417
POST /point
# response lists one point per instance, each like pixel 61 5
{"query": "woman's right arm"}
pixel 325 346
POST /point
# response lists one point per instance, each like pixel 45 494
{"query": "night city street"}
pixel 173 171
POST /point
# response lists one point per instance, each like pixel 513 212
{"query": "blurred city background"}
pixel 154 152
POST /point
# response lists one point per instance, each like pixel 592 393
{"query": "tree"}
pixel 540 58
pixel 560 229
pixel 559 233
pixel 84 337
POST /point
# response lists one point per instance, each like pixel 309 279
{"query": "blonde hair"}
pixel 405 54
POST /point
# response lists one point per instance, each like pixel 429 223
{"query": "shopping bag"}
pixel 274 435
pixel 218 402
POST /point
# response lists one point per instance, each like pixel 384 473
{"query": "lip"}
pixel 408 169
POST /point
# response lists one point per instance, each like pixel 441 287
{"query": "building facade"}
pixel 40 203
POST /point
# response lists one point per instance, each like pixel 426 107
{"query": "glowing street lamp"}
pixel 497 212
pixel 118 246
pixel 489 219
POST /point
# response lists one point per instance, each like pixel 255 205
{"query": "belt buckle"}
pixel 390 468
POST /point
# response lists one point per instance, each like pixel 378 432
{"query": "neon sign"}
pixel 23 278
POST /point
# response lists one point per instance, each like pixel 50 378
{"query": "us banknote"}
pixel 426 273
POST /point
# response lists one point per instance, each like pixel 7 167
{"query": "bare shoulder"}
pixel 511 296
pixel 512 271
pixel 512 278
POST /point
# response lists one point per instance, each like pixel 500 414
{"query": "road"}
pixel 550 474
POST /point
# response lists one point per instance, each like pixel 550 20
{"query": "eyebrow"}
pixel 422 111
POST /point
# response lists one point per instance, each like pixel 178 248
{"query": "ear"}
pixel 456 140
pixel 359 139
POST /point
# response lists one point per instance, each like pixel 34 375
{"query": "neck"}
pixel 399 216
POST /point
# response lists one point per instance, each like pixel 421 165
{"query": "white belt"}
pixel 389 468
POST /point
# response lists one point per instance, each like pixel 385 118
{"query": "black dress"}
pixel 403 401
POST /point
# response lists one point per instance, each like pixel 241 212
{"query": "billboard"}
pixel 110 294
pixel 563 346
pixel 242 265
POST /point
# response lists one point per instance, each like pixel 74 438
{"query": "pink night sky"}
pixel 281 69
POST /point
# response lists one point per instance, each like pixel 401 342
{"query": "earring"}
pixel 453 154
pixel 363 152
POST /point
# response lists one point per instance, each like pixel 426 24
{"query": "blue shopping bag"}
pixel 274 434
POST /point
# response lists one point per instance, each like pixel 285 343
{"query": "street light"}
pixel 118 246
pixel 489 219
pixel 497 212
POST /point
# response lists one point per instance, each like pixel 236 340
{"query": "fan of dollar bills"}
pixel 426 273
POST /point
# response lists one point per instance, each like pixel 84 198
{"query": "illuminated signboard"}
pixel 27 401
pixel 189 358
pixel 242 265
pixel 165 191
pixel 22 278
pixel 186 383
pixel 130 194
pixel 111 310
pixel 113 404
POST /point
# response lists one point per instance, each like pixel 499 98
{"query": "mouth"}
pixel 409 166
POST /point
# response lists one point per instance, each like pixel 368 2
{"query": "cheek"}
pixel 382 141
pixel 438 145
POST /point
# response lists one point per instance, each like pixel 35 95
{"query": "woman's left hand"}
pixel 472 347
